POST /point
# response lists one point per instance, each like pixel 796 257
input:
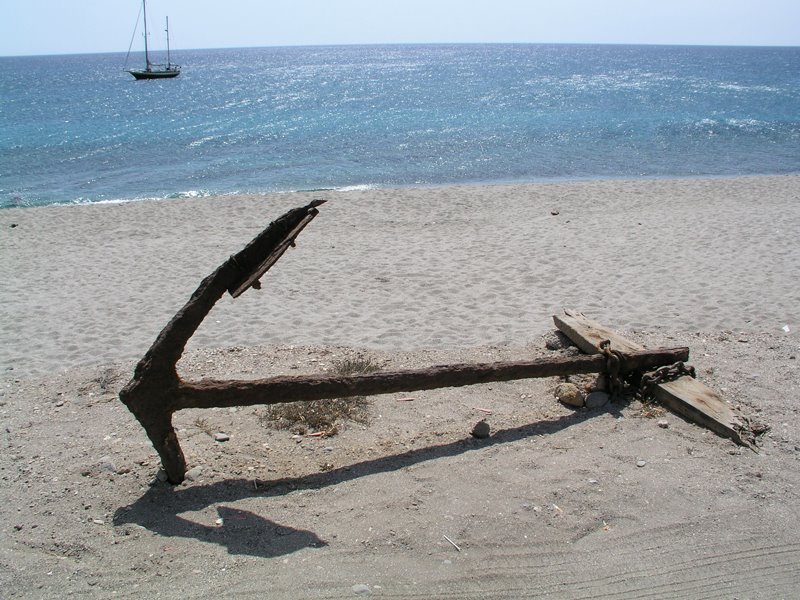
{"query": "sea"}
pixel 79 129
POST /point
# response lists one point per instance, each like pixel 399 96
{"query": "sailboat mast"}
pixel 167 30
pixel 146 53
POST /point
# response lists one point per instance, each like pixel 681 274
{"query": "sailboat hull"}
pixel 143 74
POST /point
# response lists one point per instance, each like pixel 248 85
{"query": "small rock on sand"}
pixel 194 473
pixel 597 400
pixel 481 430
pixel 570 394
pixel 557 341
pixel 105 464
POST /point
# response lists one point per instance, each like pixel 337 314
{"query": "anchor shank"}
pixel 210 393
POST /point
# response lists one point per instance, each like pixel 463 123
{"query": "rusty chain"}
pixel 618 385
pixel 614 361
pixel 662 375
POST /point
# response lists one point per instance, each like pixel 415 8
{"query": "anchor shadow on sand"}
pixel 244 532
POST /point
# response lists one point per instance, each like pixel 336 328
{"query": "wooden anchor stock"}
pixel 684 396
pixel 156 391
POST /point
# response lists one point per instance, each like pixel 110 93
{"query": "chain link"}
pixel 662 375
pixel 618 385
pixel 614 360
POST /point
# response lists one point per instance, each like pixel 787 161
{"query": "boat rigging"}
pixel 153 70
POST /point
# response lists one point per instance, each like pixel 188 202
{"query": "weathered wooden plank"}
pixel 587 334
pixel 685 396
pixel 702 405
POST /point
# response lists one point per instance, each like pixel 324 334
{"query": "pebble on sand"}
pixel 570 394
pixel 221 437
pixel 597 399
pixel 194 473
pixel 481 430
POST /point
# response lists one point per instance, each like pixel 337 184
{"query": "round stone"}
pixel 481 430
pixel 569 394
pixel 194 473
pixel 597 400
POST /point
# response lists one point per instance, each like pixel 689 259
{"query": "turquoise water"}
pixel 79 129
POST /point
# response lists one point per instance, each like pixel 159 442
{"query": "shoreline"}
pixel 453 266
pixel 201 194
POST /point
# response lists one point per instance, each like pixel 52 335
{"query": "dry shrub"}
pixel 651 410
pixel 204 426
pixel 323 415
pixel 106 381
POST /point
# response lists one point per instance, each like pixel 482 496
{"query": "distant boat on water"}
pixel 153 70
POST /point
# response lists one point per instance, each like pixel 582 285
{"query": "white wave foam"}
pixel 190 194
pixel 201 141
pixel 362 187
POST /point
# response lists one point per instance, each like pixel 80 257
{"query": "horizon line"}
pixel 384 44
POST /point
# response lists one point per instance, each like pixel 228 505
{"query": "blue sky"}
pixel 80 26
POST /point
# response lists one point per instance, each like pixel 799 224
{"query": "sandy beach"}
pixel 404 269
pixel 556 503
